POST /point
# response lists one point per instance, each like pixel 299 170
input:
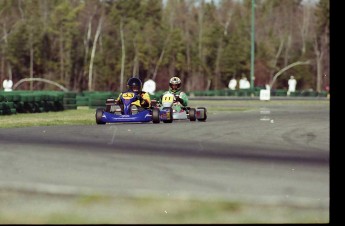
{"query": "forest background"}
pixel 96 45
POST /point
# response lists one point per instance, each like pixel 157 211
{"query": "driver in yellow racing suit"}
pixel 143 99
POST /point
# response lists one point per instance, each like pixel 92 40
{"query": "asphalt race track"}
pixel 267 153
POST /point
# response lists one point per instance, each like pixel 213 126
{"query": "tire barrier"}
pixel 44 101
pixel 30 102
pixel 98 99
pixel 69 100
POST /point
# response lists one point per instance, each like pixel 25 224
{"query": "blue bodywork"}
pixel 127 99
pixel 143 116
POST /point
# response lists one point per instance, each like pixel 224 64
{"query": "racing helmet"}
pixel 175 84
pixel 134 84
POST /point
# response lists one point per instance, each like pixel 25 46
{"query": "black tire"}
pixel 192 114
pixel 171 115
pixel 156 115
pixel 205 114
pixel 99 113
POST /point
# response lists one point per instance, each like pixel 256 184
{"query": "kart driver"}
pixel 143 99
pixel 175 89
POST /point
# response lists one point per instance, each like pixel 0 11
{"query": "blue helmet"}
pixel 134 84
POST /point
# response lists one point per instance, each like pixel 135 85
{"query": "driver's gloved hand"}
pixel 140 98
pixel 179 99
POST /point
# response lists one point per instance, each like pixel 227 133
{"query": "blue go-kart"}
pixel 114 113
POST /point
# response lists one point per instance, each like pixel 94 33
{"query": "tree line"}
pixel 96 45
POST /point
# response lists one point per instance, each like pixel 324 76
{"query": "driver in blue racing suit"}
pixel 143 99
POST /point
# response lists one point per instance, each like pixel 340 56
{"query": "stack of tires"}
pixel 98 99
pixel 69 100
pixel 7 105
pixel 35 101
pixel 82 99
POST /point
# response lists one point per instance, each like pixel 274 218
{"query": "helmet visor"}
pixel 174 86
pixel 135 88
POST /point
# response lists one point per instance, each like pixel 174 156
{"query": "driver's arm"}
pixel 118 99
pixel 146 102
pixel 183 99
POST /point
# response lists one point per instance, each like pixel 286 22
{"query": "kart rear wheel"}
pixel 170 110
pixel 155 115
pixel 205 114
pixel 192 114
pixel 99 114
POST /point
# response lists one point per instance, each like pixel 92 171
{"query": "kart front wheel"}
pixel 170 113
pixel 99 114
pixel 204 111
pixel 192 114
pixel 155 115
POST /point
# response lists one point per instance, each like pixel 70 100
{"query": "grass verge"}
pixel 37 208
pixel 83 116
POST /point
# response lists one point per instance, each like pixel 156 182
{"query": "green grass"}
pixel 83 116
pixel 36 208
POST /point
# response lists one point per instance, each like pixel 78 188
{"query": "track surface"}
pixel 268 153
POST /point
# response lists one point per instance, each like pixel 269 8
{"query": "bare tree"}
pixel 159 61
pixel 123 55
pixel 31 59
pixel 135 60
pixel 321 43
pixel 201 58
pixel 224 19
pixel 319 53
pixel 3 62
pixel 99 27
pixel 304 26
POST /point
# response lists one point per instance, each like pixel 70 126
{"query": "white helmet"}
pixel 175 81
